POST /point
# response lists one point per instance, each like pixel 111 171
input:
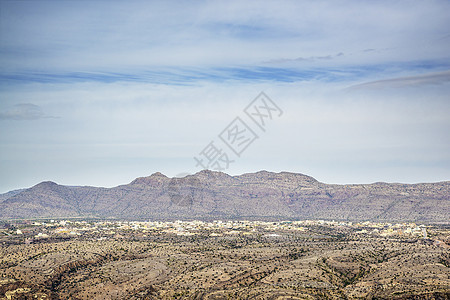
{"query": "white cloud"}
pixel 23 111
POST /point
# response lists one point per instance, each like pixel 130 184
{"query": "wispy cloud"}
pixel 24 111
pixel 434 78
pixel 304 59
pixel 244 73
pixel 179 76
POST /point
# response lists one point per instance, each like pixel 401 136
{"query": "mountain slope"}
pixel 208 194
pixel 7 195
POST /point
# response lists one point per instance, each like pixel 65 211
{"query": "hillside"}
pixel 212 195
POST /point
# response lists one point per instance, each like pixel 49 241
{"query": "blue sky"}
pixel 101 92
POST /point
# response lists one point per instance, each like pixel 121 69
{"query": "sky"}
pixel 101 92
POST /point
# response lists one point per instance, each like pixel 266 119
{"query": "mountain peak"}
pixel 46 184
pixel 212 175
pixel 158 174
pixel 279 178
pixel 153 180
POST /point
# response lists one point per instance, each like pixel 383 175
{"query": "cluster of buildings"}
pixel 213 228
pixel 377 228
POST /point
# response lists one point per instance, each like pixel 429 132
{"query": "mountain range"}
pixel 216 195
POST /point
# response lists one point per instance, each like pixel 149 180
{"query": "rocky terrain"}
pixel 216 195
pixel 222 260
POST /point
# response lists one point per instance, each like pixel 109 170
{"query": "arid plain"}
pixel 74 259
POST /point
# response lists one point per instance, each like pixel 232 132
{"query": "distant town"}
pixel 35 230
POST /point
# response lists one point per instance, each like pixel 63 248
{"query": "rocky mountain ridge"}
pixel 215 195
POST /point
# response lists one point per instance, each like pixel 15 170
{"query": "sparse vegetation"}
pixel 250 260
